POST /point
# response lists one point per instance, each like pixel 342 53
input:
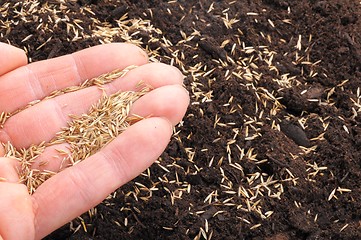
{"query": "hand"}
pixel 76 189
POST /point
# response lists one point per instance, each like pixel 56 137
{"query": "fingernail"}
pixel 178 72
pixel 185 89
pixel 144 54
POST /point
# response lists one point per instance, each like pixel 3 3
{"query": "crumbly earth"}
pixel 270 147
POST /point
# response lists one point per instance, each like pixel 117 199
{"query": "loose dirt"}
pixel 270 147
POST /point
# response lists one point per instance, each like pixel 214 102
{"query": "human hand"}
pixel 76 189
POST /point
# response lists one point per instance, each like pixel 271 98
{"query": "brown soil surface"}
pixel 270 147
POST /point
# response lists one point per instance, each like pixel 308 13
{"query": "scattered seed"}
pixel 344 227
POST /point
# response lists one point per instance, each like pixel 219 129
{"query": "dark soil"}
pixel 270 147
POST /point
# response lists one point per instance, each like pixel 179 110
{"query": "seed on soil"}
pixel 332 195
pixel 344 227
pixel 242 162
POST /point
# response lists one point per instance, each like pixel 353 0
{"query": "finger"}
pixel 54 158
pixel 168 102
pixel 8 172
pixel 11 58
pixel 42 121
pixel 153 74
pixel 37 80
pixel 77 189
pixel 16 218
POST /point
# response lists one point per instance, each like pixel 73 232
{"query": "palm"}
pixel 76 189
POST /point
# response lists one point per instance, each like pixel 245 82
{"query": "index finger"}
pixel 37 80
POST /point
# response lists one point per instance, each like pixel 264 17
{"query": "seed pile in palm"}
pixel 85 134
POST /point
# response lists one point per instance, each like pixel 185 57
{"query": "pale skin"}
pixel 76 189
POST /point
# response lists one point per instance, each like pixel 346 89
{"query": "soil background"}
pixel 270 147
